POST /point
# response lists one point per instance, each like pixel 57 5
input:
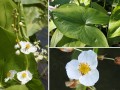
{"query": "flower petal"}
pixel 89 57
pixel 72 69
pixel 90 79
pixel 32 49
pixel 6 79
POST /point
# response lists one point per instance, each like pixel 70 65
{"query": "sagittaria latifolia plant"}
pixel 82 68
pixel 84 23
pixel 19 21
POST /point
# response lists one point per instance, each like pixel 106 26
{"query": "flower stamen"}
pixel 27 46
pixel 84 68
pixel 24 75
pixel 8 74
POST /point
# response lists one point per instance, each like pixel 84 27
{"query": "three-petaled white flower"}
pixel 27 47
pixel 24 76
pixel 84 69
pixel 10 75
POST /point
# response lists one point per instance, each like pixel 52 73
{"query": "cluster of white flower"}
pixel 40 55
pixel 23 76
pixel 25 47
pixel 84 69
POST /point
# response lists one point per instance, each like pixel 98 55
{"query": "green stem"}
pixel 90 88
pixel 27 62
pixel 78 2
pixel 84 88
pixel 109 58
pixel 16 80
pixel 78 49
pixel 104 3
pixel 46 68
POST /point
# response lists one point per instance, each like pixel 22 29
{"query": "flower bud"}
pixel 12 25
pixel 117 60
pixel 101 57
pixel 20 23
pixel 72 83
pixel 17 52
pixel 66 49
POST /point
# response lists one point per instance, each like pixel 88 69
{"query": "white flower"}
pixel 10 75
pixel 24 76
pixel 17 52
pixel 27 47
pixel 39 57
pixel 36 53
pixel 84 69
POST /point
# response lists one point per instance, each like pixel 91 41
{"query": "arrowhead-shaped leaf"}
pixel 78 22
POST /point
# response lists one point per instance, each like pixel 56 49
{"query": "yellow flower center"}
pixel 27 46
pixel 84 68
pixel 8 74
pixel 24 75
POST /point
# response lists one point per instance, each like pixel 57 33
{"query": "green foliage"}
pixel 94 23
pixel 6 17
pixel 80 25
pixel 28 14
pixel 57 36
pixel 114 24
pixel 17 87
pixel 10 61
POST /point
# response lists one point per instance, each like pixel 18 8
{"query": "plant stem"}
pixel 16 80
pixel 78 49
pixel 104 3
pixel 46 68
pixel 78 2
pixel 109 58
pixel 27 62
pixel 90 88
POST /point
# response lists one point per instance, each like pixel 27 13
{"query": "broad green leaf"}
pixel 98 7
pixel 17 87
pixel 69 42
pixel 114 24
pixel 57 36
pixel 78 22
pixel 36 19
pixel 7 42
pixel 6 18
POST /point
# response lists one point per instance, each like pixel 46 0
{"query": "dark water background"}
pixel 42 35
pixel 109 71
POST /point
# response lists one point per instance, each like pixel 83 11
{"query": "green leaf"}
pixel 78 22
pixel 51 26
pixel 6 18
pixel 7 42
pixel 57 36
pixel 114 24
pixel 98 7
pixel 57 2
pixel 29 1
pixel 17 87
pixel 34 84
pixel 36 19
pixel 69 42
